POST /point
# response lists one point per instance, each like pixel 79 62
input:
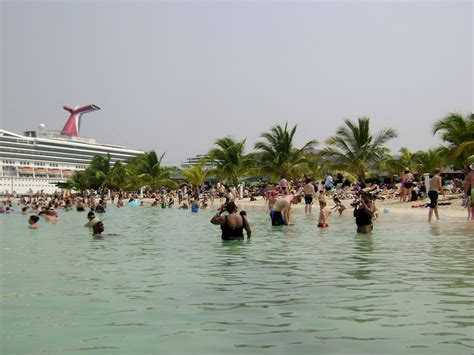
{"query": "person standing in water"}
pixel 309 194
pixel 436 187
pixel 280 212
pixel 232 225
pixel 363 213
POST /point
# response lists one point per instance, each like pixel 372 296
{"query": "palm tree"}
pixel 229 158
pixel 279 157
pixel 395 166
pixel 458 134
pixel 354 148
pixel 147 167
pixel 197 174
pixel 98 171
pixel 430 160
pixel 117 177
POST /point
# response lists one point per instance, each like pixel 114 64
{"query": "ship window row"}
pixel 91 149
pixel 11 162
pixel 77 154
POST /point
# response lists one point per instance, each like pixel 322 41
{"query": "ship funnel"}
pixel 73 124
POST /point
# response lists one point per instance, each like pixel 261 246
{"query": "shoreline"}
pixel 392 206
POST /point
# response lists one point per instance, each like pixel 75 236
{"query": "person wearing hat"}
pixel 469 188
pixel 407 185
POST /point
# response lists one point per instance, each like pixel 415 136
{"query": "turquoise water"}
pixel 169 285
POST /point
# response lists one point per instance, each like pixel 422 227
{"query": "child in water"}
pixel 33 222
pixel 324 214
pixel 338 206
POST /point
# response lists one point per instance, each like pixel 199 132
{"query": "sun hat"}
pixel 274 193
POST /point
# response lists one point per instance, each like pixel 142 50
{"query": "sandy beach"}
pixel 455 209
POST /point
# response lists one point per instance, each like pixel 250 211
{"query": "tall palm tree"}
pixel 197 174
pixel 229 158
pixel 279 157
pixel 147 167
pixel 354 148
pixel 458 134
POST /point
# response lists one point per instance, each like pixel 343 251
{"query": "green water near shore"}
pixel 169 285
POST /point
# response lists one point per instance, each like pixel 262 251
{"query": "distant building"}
pixel 196 159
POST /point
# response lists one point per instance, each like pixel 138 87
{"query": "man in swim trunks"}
pixel 280 212
pixel 436 186
pixel 309 194
pixel 469 188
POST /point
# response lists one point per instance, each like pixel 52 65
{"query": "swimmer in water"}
pixel 98 228
pixel 92 219
pixel 24 210
pixel 324 213
pixel 338 206
pixel 33 222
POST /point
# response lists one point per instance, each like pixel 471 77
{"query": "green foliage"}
pixel 427 162
pixel 457 133
pixel 278 156
pixel 147 168
pixel 229 159
pixel 355 149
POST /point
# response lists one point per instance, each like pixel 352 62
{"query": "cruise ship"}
pixel 38 160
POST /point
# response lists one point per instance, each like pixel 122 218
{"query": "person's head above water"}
pixel 231 207
pixel 90 215
pixel 98 227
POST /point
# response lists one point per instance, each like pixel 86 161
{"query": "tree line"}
pixel 354 151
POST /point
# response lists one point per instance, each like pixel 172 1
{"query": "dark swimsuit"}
pixel 277 218
pixel 229 233
pixel 362 218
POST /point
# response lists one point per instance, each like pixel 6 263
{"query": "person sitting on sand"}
pixel 232 225
pixel 338 206
pixel 363 213
pixel 33 222
pixel 324 213
pixel 280 212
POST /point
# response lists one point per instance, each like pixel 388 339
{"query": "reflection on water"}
pixel 169 284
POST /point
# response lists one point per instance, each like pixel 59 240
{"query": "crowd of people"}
pixel 279 199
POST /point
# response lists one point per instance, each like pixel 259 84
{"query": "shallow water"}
pixel 169 285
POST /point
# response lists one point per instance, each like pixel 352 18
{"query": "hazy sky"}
pixel 174 76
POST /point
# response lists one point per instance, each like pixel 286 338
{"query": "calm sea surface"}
pixel 169 285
